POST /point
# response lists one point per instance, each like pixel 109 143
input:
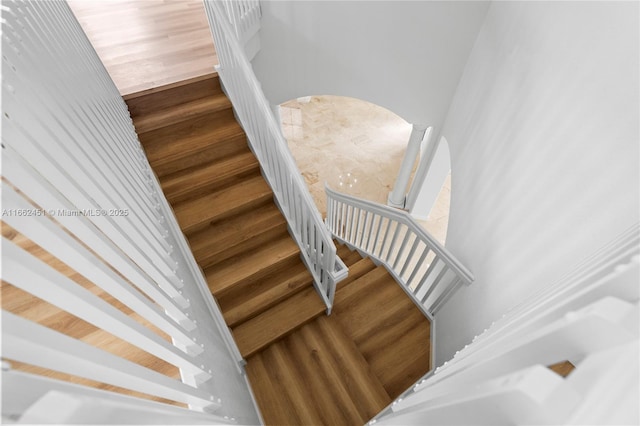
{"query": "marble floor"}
pixel 355 147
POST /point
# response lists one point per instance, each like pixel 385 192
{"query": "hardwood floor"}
pixel 148 43
pixel 304 367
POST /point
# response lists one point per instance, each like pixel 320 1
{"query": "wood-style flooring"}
pixel 148 43
pixel 304 367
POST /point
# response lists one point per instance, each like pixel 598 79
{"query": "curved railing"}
pixel 427 270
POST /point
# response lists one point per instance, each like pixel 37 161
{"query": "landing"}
pixel 345 368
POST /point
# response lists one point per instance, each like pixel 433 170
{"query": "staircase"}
pixel 225 209
pixel 304 367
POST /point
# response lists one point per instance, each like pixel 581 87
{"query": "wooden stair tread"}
pixel 360 316
pixel 255 298
pixel 168 116
pixel 253 266
pixel 393 326
pixel 298 394
pixel 399 310
pixel 237 234
pixel 357 270
pixel 275 323
pixel 346 293
pixel 321 387
pixel 415 361
pixel 188 138
pixel 319 350
pixel 195 214
pixel 363 386
pixel 187 183
pixel 268 392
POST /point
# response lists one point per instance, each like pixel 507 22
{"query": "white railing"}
pixel 588 317
pixel 427 271
pixel 244 17
pixel 279 168
pixel 77 184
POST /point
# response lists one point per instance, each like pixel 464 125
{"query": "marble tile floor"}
pixel 354 146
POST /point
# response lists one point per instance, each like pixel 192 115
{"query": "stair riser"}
pixel 223 253
pixel 203 187
pixel 158 100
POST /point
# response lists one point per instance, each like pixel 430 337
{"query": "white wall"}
pixel 544 139
pixel 404 56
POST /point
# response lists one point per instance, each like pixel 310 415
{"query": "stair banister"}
pixel 77 183
pixel 270 147
pixel 427 271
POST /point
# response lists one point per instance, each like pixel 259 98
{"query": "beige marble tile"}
pixel 354 146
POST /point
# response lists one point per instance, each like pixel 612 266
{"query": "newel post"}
pixel 397 196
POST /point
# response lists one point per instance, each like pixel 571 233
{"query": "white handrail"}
pixel 376 229
pixel 270 147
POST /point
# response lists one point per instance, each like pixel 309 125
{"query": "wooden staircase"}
pixel 304 367
pixel 226 210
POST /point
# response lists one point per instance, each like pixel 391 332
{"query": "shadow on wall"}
pixel 353 145
pixel 431 200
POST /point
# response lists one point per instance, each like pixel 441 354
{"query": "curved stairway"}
pixel 304 367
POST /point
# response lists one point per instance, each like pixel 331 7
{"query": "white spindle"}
pixel 376 230
pixel 69 151
pixel 48 197
pixel 52 238
pixel 37 345
pixel 30 274
pixel 28 389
